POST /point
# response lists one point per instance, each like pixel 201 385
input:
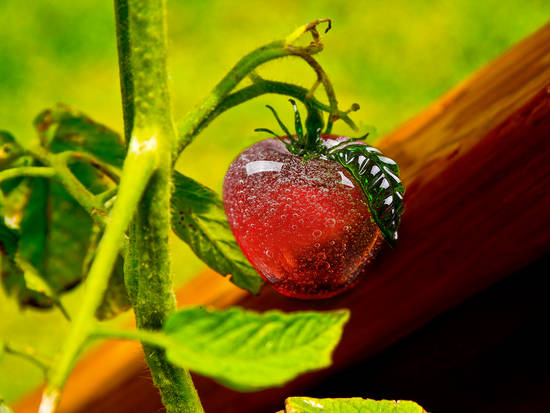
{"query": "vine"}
pixel 133 212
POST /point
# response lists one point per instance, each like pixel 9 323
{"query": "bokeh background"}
pixel 391 57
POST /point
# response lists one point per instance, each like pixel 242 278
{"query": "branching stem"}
pixel 207 110
pixel 261 87
pixel 34 171
pixel 28 353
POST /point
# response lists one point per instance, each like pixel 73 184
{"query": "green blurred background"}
pixel 392 57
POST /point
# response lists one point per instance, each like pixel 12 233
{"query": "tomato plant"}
pixel 123 196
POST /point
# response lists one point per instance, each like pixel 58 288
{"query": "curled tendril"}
pixel 309 27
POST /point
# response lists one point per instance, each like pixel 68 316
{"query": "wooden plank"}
pixel 488 354
pixel 477 168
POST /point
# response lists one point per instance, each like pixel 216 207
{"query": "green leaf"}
pixel 62 128
pixel 378 177
pixel 251 351
pixel 351 405
pixel 55 233
pixel 9 240
pixel 19 277
pixel 198 218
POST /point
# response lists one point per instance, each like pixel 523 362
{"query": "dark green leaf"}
pixel 351 405
pixel 9 240
pixel 250 351
pixel 61 129
pixel 55 233
pixel 378 177
pixel 54 229
pixel 19 277
pixel 198 218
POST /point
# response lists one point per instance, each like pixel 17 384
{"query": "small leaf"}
pixel 198 218
pixel 378 177
pixel 251 351
pixel 351 405
pixel 62 128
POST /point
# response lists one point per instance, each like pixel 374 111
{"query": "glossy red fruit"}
pixel 305 226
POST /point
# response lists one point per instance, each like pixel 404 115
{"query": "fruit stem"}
pixel 262 87
pixel 206 111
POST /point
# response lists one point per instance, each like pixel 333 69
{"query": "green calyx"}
pixel 375 173
pixel 309 144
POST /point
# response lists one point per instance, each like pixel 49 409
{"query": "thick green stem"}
pixel 141 33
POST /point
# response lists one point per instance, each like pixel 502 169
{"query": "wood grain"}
pixel 477 169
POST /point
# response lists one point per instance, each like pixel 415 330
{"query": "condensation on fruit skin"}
pixel 305 227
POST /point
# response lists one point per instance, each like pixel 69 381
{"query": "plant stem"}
pixel 261 87
pixel 87 200
pixel 112 172
pixel 191 123
pixel 152 338
pixel 138 167
pixel 28 353
pixel 141 33
pixel 34 171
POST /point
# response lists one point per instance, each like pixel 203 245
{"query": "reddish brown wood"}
pixel 477 169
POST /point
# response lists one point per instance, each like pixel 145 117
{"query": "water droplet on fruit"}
pixel 330 222
pixel 317 233
pixel 347 228
pixel 317 245
pixel 268 253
